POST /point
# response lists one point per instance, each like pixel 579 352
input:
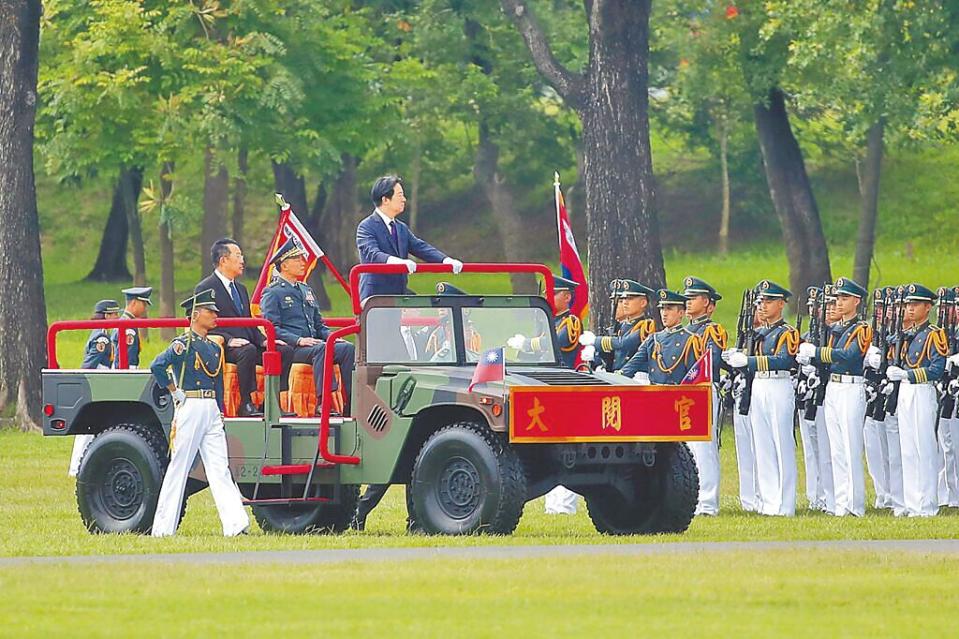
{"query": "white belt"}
pixel 906 381
pixel 845 379
pixel 771 374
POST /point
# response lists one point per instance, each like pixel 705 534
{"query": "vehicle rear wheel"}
pixel 120 476
pixel 466 479
pixel 302 519
pixel 663 498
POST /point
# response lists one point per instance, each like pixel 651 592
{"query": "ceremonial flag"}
pixel 289 226
pixel 702 371
pixel 570 263
pixel 491 368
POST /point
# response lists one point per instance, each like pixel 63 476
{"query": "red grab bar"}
pixel 324 443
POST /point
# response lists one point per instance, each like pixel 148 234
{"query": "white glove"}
pixel 812 382
pixel 588 353
pixel 726 384
pixel 739 385
pixel 516 341
pixel 870 393
pixel 802 359
pixel 808 371
pixel 896 374
pixel 409 264
pixel 953 388
pixel 726 354
pixel 887 389
pixel 952 361
pixel 456 264
pixel 178 397
pixel 588 338
pixel 807 350
pixel 873 358
pixel 737 360
pixel 642 378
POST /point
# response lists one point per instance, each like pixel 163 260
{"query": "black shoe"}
pixel 357 524
pixel 249 410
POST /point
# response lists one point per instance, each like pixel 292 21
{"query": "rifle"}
pixel 820 336
pixel 745 341
pixel 888 315
pixel 609 358
pixel 892 401
pixel 873 376
pixel 947 321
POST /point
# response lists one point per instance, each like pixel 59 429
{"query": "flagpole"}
pixel 556 195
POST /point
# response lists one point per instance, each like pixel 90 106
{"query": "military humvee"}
pixel 470 460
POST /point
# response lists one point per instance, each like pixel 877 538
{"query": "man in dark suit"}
pixel 382 239
pixel 243 346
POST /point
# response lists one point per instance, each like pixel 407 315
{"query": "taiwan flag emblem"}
pixel 491 368
pixel 702 371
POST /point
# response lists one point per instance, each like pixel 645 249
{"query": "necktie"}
pixel 393 234
pixel 235 294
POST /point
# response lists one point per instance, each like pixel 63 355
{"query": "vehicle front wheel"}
pixel 466 479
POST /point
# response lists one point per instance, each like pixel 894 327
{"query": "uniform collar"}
pixel 777 323
pixel 562 313
pixel 675 329
pixel 702 319
pixel 127 314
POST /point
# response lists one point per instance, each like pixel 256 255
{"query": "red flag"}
pixel 491 368
pixel 288 225
pixel 570 262
pixel 702 371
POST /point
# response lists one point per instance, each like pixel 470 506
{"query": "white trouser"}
pixel 80 443
pixel 706 455
pixel 771 414
pixel 816 457
pixel 746 461
pixel 949 442
pixel 561 501
pixel 917 421
pixel 198 427
pixel 845 409
pixel 877 459
pixel 896 501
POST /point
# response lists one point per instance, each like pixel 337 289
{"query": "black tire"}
pixel 120 476
pixel 664 499
pixel 304 519
pixel 466 479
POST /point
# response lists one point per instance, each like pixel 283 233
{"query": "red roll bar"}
pixel 271 358
pixel 478 267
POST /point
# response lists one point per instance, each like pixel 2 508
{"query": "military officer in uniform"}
pixel 632 329
pixel 137 302
pixel 292 307
pixel 567 326
pixel 191 368
pixel 701 300
pixel 923 363
pixel 845 404
pixel 773 401
pixel 667 355
pixel 97 354
pixel 949 426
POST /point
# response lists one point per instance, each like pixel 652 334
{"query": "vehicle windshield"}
pixel 427 336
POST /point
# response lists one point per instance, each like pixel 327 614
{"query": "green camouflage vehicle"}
pixel 470 459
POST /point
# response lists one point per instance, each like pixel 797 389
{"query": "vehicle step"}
pixel 294 469
pixel 287 501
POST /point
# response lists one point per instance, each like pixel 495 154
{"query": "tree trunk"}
pixel 23 315
pixel 792 197
pixel 612 101
pixel 239 193
pixel 111 264
pixel 293 187
pixel 724 167
pixel 168 305
pixel 135 229
pixel 216 193
pixel 512 234
pixel 869 208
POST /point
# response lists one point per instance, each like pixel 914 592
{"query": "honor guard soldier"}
pixel 292 307
pixel 845 403
pixel 948 423
pixel 191 368
pixel 632 330
pixel 701 300
pixel 567 326
pixel 924 361
pixel 667 355
pixel 137 301
pixel 97 354
pixel 773 400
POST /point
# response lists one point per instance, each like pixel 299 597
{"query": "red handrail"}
pixel 478 267
pixel 271 358
pixel 324 444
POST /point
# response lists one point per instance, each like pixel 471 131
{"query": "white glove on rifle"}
pixel 588 353
pixel 409 264
pixel 725 384
pixel 178 397
pixel 953 388
pixel 517 341
pixel 813 381
pixel 896 374
pixel 951 361
pixel 802 359
pixel 642 378
pixel 808 370
pixel 873 358
pixel 588 338
pixel 737 360
pixel 807 350
pixel 727 353
pixel 887 388
pixel 455 263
